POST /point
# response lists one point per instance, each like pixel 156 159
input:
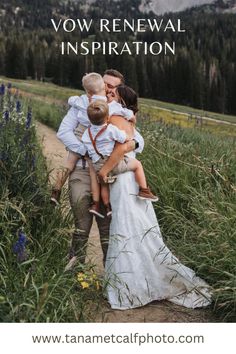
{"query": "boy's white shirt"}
pixel 105 142
pixel 82 102
pixel 116 109
pixel 71 121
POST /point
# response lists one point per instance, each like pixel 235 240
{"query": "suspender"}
pixel 93 140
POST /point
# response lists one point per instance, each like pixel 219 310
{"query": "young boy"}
pixel 99 140
pixel 95 89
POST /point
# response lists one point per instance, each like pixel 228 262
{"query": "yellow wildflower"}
pixel 84 284
pixel 81 277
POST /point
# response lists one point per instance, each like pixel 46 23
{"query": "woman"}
pixel 139 267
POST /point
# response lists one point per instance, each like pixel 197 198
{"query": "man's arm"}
pixel 66 131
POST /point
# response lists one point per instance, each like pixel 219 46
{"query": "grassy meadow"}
pixel 53 106
pixel 33 246
pixel 190 165
pixel 194 174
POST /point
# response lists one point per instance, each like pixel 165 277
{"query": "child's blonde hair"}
pixel 98 112
pixel 93 83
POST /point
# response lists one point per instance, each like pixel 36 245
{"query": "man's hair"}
pixel 98 111
pixel 93 83
pixel 115 73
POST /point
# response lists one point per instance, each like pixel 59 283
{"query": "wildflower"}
pixel 9 85
pixel 81 277
pixel 88 280
pixel 6 116
pixel 28 119
pixel 84 284
pixel 19 247
pixel 18 106
pixel 2 89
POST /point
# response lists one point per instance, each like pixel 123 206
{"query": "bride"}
pixel 139 266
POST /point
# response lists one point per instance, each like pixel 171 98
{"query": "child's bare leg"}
pixel 64 172
pixel 95 187
pixel 105 195
pixel 136 166
pixel 144 191
pixel 61 178
pixel 117 154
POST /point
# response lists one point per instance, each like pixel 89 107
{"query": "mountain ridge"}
pixel 161 7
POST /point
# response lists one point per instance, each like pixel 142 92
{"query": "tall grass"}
pixel 33 236
pixel 194 173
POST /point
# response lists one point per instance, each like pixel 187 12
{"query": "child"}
pixel 99 140
pixel 95 89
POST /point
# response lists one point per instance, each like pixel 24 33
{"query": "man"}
pixel 112 79
pixel 79 180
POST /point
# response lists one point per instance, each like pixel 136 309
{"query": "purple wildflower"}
pixel 28 119
pixel 9 85
pixel 33 162
pixel 2 89
pixel 19 247
pixel 18 106
pixel 6 116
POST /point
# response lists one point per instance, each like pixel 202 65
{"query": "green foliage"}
pixel 33 284
pixel 202 73
pixel 194 174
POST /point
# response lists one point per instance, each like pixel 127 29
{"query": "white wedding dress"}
pixel 139 266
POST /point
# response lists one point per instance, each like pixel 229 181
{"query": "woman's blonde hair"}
pixel 93 83
pixel 98 112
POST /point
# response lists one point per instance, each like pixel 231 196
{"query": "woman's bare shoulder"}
pixel 122 124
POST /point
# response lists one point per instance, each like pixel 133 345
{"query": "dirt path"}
pixel 159 311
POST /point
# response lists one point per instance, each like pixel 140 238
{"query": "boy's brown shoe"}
pixel 95 209
pixel 146 194
pixel 55 196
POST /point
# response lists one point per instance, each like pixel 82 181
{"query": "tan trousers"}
pixel 80 200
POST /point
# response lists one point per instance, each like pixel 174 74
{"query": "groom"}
pixel 79 181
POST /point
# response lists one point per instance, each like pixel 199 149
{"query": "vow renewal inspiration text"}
pixel 116 25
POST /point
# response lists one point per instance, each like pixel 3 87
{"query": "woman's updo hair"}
pixel 128 97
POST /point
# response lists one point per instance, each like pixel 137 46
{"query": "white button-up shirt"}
pixel 105 142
